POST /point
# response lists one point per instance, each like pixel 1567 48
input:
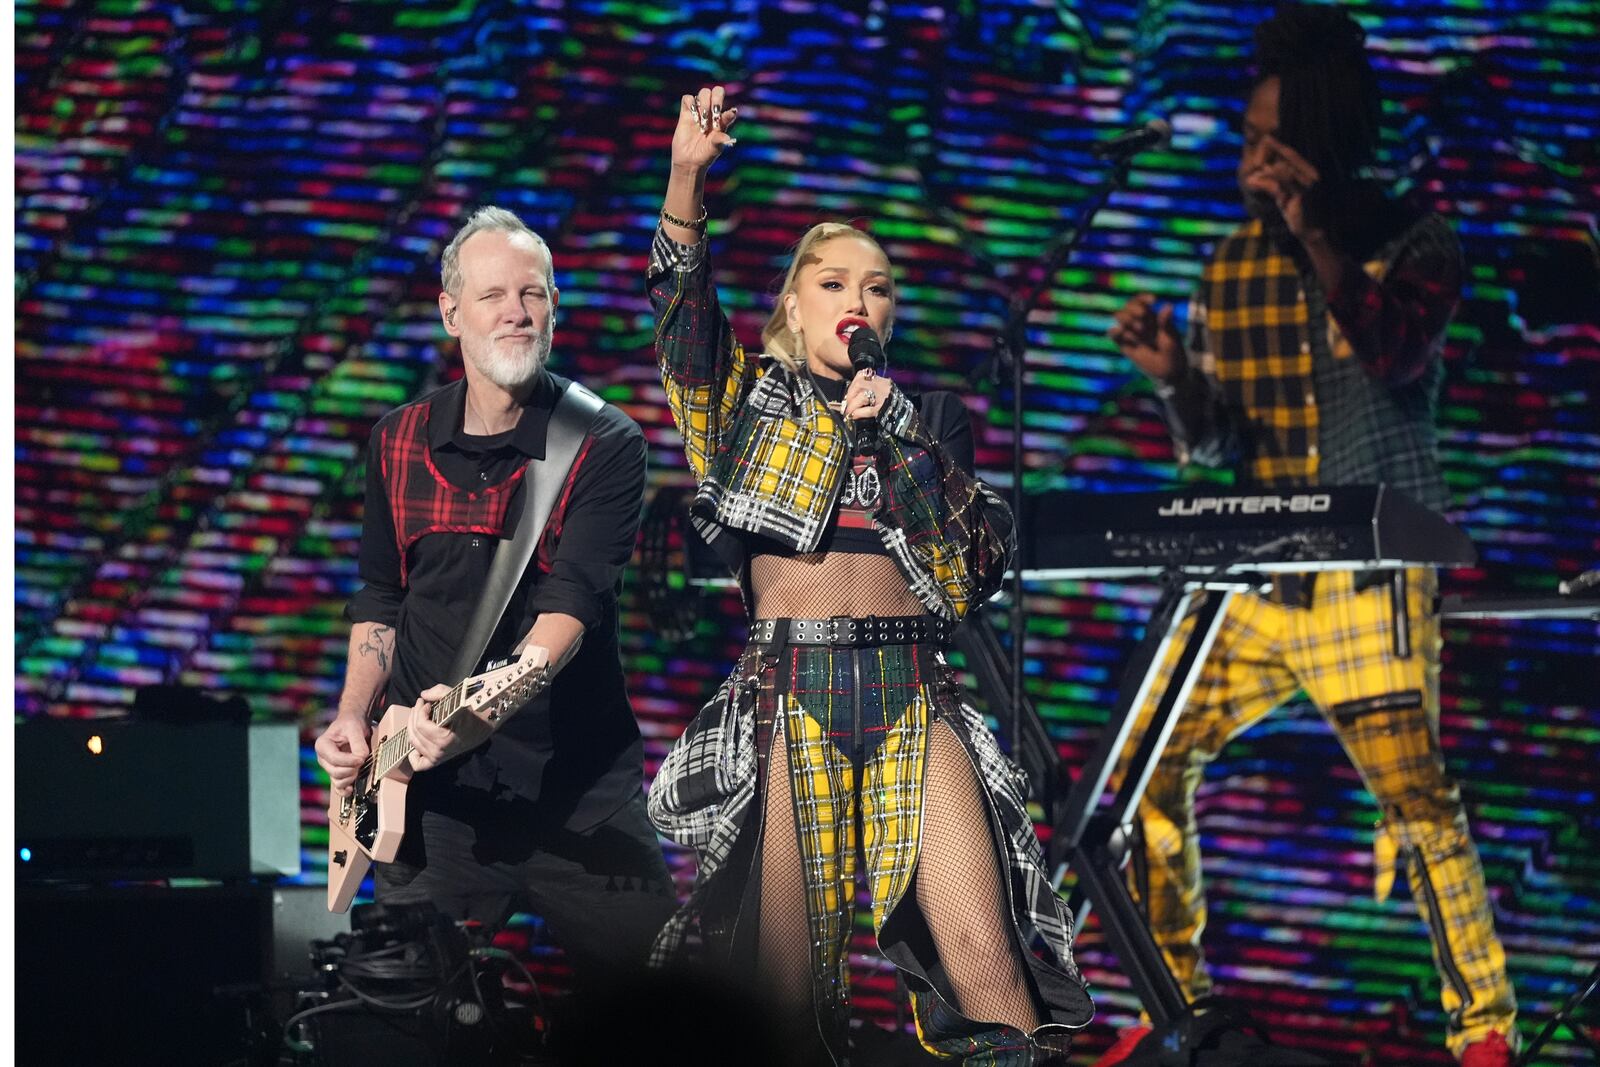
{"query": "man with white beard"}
pixel 546 814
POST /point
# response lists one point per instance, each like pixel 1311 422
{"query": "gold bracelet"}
pixel 698 224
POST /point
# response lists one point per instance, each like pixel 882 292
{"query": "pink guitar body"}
pixel 366 826
pixel 348 858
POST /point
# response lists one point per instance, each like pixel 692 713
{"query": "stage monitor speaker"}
pixel 300 916
pixel 115 800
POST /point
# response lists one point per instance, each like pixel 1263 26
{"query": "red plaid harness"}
pixel 422 501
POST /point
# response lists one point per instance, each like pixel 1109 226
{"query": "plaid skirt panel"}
pixel 865 801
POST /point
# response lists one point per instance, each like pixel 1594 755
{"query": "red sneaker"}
pixel 1492 1051
pixel 1126 1042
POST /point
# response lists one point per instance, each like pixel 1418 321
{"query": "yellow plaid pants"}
pixel 828 791
pixel 1385 711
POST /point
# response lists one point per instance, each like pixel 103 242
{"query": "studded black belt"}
pixel 843 630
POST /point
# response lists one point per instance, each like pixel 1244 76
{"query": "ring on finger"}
pixel 870 397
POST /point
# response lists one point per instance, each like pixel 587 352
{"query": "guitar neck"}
pixel 397 747
pixel 498 692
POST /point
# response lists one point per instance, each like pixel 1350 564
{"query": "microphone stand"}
pixel 1010 348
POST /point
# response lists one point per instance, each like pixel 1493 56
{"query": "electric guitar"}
pixel 366 826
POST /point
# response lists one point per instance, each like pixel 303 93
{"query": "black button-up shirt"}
pixel 576 749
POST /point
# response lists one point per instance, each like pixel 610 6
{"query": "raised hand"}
pixel 1148 338
pixel 702 133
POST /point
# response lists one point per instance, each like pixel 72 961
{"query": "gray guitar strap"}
pixel 570 422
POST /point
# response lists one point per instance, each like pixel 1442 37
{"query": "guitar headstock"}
pixel 496 693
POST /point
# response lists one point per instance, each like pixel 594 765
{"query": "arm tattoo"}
pixel 376 645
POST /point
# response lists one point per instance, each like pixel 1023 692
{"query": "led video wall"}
pixel 228 224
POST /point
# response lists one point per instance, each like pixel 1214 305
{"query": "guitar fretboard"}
pixel 395 748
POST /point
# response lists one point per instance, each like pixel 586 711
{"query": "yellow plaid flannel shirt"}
pixel 1296 386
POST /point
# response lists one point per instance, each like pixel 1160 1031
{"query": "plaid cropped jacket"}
pixel 769 456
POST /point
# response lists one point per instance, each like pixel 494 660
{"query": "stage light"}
pixel 25 854
pixel 96 745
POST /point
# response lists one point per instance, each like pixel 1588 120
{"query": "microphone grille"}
pixel 865 349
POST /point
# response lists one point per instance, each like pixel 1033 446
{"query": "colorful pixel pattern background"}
pixel 229 217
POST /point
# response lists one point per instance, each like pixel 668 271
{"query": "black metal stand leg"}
pixel 1566 1016
pixel 1129 934
pixel 1031 745
pixel 1010 355
pixel 1084 798
pixel 1086 839
pixel 1185 674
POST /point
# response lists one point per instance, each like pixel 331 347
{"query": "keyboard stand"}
pixel 1094 842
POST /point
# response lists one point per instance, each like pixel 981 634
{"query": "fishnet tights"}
pixel 820 585
pixel 783 943
pixel 957 889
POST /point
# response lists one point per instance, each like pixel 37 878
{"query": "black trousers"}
pixel 604 892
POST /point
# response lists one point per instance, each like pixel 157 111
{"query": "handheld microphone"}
pixel 866 351
pixel 1129 143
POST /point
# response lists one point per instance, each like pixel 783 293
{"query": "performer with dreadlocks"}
pixel 1313 358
